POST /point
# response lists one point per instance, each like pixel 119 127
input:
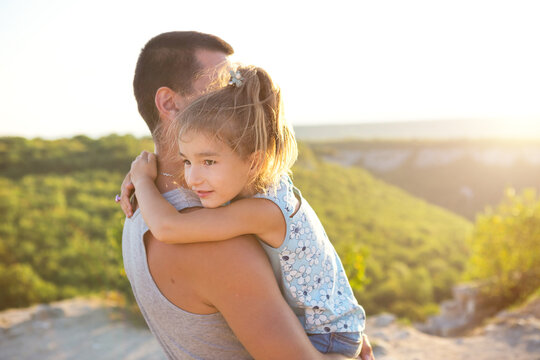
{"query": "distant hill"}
pixel 463 176
pixel 440 129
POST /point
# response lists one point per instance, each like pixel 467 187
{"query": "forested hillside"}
pixel 60 229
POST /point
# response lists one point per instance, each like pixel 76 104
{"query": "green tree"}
pixel 505 247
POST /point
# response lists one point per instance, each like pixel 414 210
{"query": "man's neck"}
pixel 168 166
pixel 166 183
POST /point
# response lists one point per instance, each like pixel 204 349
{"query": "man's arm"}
pixel 240 283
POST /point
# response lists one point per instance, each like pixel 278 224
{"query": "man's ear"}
pixel 168 103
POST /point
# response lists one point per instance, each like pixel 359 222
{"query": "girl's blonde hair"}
pixel 247 117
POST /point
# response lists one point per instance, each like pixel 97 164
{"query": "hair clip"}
pixel 236 78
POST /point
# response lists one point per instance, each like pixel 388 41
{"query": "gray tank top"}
pixel 182 335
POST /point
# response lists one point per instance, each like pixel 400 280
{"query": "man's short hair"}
pixel 169 60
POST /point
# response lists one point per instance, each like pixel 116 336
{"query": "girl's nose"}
pixel 193 176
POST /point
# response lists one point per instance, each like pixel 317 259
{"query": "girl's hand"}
pixel 144 167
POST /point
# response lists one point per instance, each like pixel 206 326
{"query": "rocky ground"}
pixel 94 329
pixel 505 338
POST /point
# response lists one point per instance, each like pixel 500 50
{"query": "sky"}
pixel 66 67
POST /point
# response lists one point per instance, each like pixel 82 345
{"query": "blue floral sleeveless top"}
pixel 308 269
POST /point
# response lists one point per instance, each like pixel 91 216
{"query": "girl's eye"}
pixel 186 162
pixel 209 162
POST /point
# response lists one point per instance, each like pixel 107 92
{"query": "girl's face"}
pixel 213 170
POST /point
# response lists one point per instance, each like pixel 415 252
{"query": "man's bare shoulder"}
pixel 218 272
pixel 240 253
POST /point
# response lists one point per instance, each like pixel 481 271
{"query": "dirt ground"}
pixel 83 329
pixel 93 329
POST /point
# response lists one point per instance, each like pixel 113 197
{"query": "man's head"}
pixel 168 68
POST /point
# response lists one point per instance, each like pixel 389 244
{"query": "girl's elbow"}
pixel 162 234
pixel 168 235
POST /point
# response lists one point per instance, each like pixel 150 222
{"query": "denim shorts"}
pixel 346 343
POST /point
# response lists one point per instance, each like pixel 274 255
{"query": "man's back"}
pixel 183 334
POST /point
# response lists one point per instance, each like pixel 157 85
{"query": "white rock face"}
pixel 384 160
pixel 433 156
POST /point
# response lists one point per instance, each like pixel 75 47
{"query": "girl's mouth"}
pixel 203 194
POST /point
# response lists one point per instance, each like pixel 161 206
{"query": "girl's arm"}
pixel 246 216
